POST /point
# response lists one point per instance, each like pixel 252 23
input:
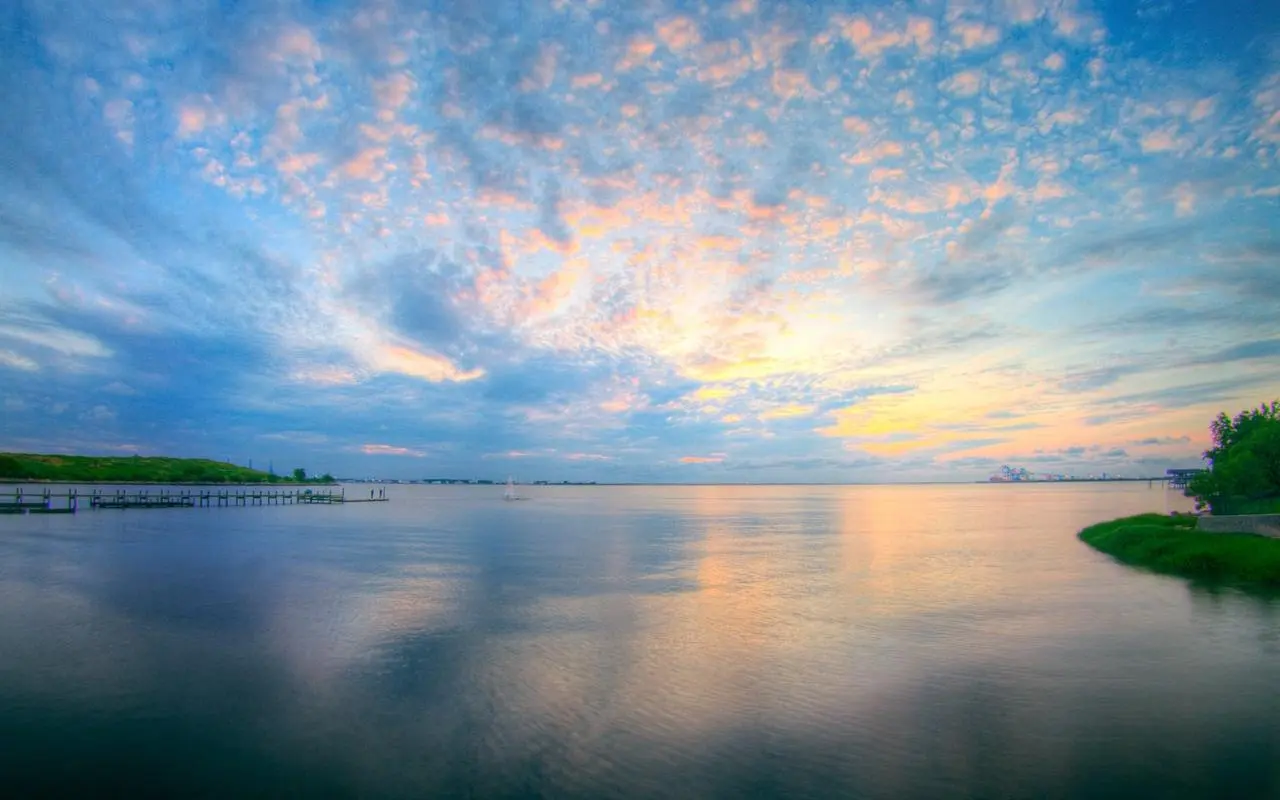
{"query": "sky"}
pixel 639 241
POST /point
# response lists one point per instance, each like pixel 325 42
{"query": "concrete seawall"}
pixel 1257 524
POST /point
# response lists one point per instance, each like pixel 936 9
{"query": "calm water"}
pixel 929 641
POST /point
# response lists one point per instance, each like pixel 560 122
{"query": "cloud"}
pixel 64 342
pixel 789 411
pixel 1159 441
pixel 1245 351
pixel 712 459
pixel 963 84
pixel 707 232
pixel 638 51
pixel 678 34
pixel 418 364
pixel 13 360
pixel 975 34
pixel 390 450
pixel 1163 140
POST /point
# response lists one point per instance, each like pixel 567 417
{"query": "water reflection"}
pixel 889 641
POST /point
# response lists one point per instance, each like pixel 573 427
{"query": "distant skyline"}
pixel 710 242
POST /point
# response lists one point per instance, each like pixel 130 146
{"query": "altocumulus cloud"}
pixel 613 241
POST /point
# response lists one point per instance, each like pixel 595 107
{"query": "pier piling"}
pixel 15 500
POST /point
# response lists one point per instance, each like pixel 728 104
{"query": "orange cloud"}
pixel 428 366
pixel 878 152
pixel 856 125
pixel 788 412
pixel 711 459
pixel 726 244
pixel 714 393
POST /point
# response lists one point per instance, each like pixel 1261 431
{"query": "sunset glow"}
pixel 742 241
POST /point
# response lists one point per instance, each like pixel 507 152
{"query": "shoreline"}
pixel 1175 545
pixel 51 482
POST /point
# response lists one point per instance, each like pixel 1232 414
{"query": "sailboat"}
pixel 510 492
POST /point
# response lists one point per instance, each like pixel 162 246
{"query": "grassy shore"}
pixel 131 469
pixel 1170 544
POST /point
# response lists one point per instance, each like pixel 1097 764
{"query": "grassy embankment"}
pixel 1170 544
pixel 133 469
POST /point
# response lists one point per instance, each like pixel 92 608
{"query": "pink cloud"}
pixel 679 33
pixel 543 72
pixel 639 49
pixel 326 376
pixel 791 83
pixel 390 450
pixel 1160 141
pixel 366 165
pixel 395 91
pixel 296 44
pixel 193 118
pixel 878 152
pixel 963 84
pixel 586 81
pixel 1202 109
pixel 975 34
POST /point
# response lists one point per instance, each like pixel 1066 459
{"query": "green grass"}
pixel 1170 544
pixel 130 469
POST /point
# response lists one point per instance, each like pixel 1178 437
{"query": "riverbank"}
pixel 1171 544
pixel 139 471
pixel 223 484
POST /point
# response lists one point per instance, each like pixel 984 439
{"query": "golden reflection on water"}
pixel 942 631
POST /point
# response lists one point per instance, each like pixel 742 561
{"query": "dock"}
pixel 17 500
pixel 1181 478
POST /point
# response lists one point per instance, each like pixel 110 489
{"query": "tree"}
pixel 1227 432
pixel 11 467
pixel 300 475
pixel 1244 462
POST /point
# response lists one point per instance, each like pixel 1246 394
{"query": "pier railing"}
pixel 25 500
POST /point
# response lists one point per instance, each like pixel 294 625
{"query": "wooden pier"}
pixel 20 500
pixel 1181 478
